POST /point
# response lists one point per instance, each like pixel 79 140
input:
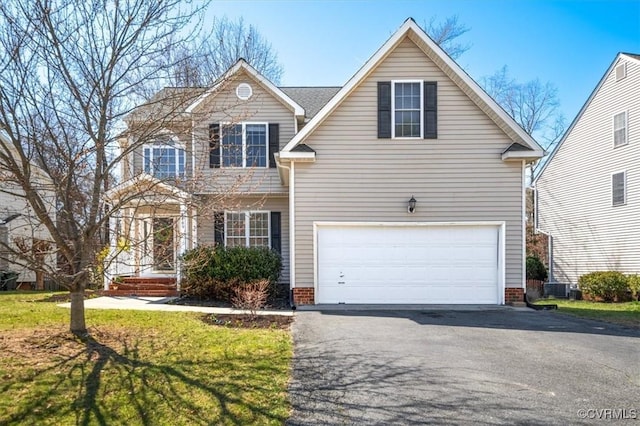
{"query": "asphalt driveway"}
pixel 460 367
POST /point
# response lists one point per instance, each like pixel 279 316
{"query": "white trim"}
pixel 153 181
pixel 247 225
pixel 410 26
pixel 176 149
pixel 524 225
pixel 624 175
pixel 393 109
pixel 292 226
pixel 241 86
pixel 586 105
pixel 243 125
pixel 626 129
pixel 501 255
pixel 297 155
pixel 529 156
pixel 241 64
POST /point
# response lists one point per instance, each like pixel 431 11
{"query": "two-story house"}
pixel 588 193
pixel 406 185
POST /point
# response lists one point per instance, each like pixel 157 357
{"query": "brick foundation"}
pixel 513 296
pixel 303 296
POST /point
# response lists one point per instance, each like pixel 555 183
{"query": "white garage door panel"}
pixel 408 264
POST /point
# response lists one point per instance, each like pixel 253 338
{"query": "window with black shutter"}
pixel 276 232
pixel 274 143
pixel 214 145
pixel 218 228
pixel 408 109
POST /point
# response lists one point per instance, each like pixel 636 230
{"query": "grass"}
pixel 619 313
pixel 138 367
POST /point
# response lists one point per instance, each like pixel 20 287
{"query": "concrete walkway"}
pixel 160 304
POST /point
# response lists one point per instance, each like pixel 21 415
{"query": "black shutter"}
pixel 218 226
pixel 274 143
pixel 384 109
pixel 430 110
pixel 214 145
pixel 276 232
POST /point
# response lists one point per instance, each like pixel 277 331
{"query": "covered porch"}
pixel 149 234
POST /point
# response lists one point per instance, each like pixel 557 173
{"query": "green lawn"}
pixel 619 313
pixel 140 367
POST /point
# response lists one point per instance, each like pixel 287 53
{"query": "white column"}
pixel 182 241
pixel 112 267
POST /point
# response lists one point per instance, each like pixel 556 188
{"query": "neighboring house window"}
pixel 244 145
pixel 620 129
pixel 164 160
pixel 407 109
pixel 619 188
pixel 247 229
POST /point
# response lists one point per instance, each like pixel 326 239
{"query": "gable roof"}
pixel 242 65
pixel 412 30
pixel 312 99
pixel 593 94
pixel 142 183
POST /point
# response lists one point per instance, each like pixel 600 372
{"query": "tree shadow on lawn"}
pixel 90 380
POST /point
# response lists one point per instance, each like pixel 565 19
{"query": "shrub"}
pixel 214 272
pixel 608 285
pixel 634 285
pixel 251 296
pixel 536 269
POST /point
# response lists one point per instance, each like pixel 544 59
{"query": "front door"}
pixel 163 244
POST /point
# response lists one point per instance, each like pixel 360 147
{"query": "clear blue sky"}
pixel 570 43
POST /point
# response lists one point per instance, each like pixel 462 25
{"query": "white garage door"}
pixel 452 264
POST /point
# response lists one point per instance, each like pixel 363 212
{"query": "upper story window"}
pixel 247 229
pixel 243 145
pixel 164 160
pixel 407 109
pixel 620 129
pixel 619 189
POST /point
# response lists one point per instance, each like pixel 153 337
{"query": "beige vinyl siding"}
pixel 457 177
pixel 206 231
pixel 225 107
pixel 574 191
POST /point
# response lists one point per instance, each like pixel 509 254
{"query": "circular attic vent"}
pixel 244 91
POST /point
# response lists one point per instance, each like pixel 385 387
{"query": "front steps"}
pixel 143 287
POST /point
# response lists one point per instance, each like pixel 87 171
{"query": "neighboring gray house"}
pixel 404 186
pixel 588 193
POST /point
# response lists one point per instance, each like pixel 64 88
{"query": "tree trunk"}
pixel 78 325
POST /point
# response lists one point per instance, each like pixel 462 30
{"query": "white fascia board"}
pixel 411 26
pixel 308 156
pixel 242 64
pixel 523 155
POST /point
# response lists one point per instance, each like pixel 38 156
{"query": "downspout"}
pixel 292 233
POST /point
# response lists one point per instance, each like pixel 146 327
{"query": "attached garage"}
pixel 409 263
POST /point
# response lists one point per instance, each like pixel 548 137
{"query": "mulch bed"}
pixel 280 322
pixel 280 303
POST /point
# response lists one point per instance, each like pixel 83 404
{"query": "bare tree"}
pixel 204 60
pixel 533 104
pixel 70 70
pixel 446 33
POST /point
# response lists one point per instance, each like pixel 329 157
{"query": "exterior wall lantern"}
pixel 411 205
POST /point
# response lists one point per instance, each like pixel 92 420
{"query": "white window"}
pixel 244 145
pixel 406 106
pixel 620 129
pixel 247 229
pixel 619 189
pixel 164 160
